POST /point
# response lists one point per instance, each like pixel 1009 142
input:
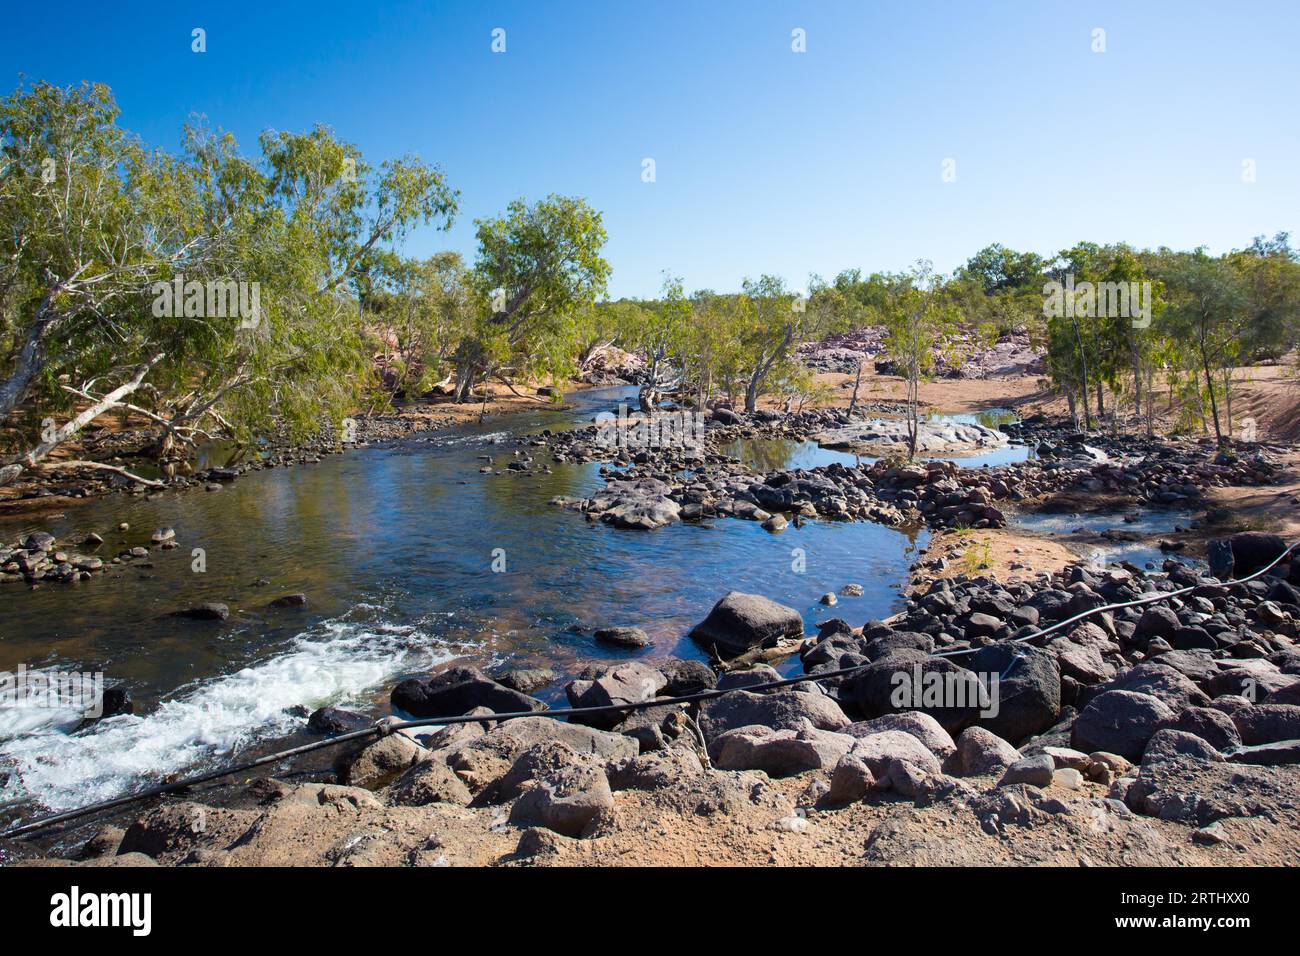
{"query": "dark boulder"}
pixel 1156 621
pixel 1119 722
pixel 780 710
pixel 1029 689
pixel 456 691
pixel 686 677
pixel 936 686
pixel 526 680
pixel 740 622
pixel 211 611
pixel 1244 553
pixel 332 721
pixel 1213 726
pixel 116 700
pixel 1171 744
pixel 630 637
pixel 629 683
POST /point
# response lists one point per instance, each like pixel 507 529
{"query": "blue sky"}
pixel 766 160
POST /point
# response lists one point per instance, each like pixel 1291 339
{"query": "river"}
pixel 394 547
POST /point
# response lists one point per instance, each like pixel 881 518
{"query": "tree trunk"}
pixel 857 382
pixel 1083 371
pixel 33 457
pixel 1209 384
pixel 28 364
pixel 1137 376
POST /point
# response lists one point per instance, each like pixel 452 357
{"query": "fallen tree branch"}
pixel 98 466
pixel 34 457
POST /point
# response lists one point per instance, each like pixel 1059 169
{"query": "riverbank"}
pixel 43 493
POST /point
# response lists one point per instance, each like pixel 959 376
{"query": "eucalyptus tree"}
pixel 1210 308
pixel 89 219
pixel 771 320
pixel 661 336
pixel 1269 272
pixel 918 318
pixel 537 267
pixel 120 264
pixel 416 311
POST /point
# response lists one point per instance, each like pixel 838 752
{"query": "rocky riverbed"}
pixel 649 487
pixel 1167 734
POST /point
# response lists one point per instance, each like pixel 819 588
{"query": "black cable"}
pixel 388 725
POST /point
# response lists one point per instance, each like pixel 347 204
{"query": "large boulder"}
pixel 1244 553
pixel 936 686
pixel 780 710
pixel 1151 677
pixel 456 691
pixel 1267 723
pixel 778 753
pixel 1036 771
pixel 515 736
pixel 429 781
pixel 1213 726
pixel 483 760
pixel 672 767
pixel 539 762
pixel 1254 679
pixel 1173 744
pixel 1028 682
pixel 333 721
pixel 653 728
pixel 630 683
pixel 981 752
pixel 686 677
pixel 629 637
pixel 921 726
pixel 1156 621
pixel 377 765
pixel 877 750
pixel 740 622
pixel 748 677
pixel 1120 722
pixel 851 780
pixel 567 796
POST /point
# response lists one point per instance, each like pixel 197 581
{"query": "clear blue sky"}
pixel 767 160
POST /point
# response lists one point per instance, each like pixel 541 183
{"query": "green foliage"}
pixel 539 267
pixel 918 317
pixel 96 229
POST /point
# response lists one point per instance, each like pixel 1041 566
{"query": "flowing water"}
pixel 394 547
